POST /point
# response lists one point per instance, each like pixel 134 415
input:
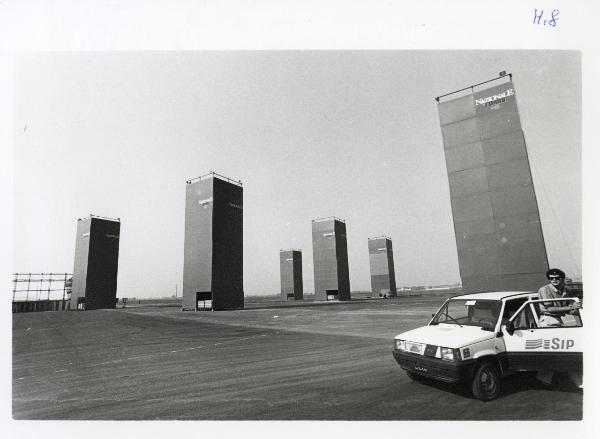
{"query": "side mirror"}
pixel 432 315
pixel 510 328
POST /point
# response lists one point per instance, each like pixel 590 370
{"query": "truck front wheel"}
pixel 486 381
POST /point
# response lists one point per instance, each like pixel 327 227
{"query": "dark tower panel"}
pixel 330 259
pixel 381 261
pixel 96 263
pixel 290 267
pixel 343 270
pixel 213 247
pixel 228 257
pixel 496 220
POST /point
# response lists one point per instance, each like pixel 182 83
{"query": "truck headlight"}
pixel 447 353
pixel 414 347
pixel 400 345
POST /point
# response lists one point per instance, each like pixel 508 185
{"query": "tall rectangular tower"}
pixel 381 261
pixel 96 263
pixel 213 247
pixel 496 219
pixel 330 259
pixel 290 267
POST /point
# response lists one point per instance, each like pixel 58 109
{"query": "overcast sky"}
pixel 311 134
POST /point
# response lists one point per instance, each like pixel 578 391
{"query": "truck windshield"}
pixel 469 312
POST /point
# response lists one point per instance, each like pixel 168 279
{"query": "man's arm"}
pixel 554 307
pixel 561 309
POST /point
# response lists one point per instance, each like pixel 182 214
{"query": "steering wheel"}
pixel 487 322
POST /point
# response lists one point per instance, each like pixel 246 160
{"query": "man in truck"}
pixel 555 314
pixel 550 313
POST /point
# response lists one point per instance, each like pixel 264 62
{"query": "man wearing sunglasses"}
pixel 551 312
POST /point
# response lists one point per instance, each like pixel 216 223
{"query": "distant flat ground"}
pixel 270 361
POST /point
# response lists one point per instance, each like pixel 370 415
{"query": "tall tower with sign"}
pixel 96 263
pixel 213 245
pixel 496 220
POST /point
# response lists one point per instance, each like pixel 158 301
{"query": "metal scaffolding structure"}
pixel 35 287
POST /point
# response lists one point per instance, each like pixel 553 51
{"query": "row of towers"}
pixel 499 237
pixel 213 255
pixel 213 252
pixel 331 265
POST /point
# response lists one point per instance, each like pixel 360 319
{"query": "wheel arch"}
pixel 494 359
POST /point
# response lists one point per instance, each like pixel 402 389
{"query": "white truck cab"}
pixel 478 338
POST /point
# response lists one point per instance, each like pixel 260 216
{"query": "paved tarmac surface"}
pixel 267 362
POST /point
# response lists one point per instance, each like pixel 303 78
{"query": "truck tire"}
pixel 486 381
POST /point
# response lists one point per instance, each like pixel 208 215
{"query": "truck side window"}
pixel 524 319
pixel 572 319
pixel 558 319
pixel 510 307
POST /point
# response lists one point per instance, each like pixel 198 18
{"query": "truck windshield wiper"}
pixel 453 319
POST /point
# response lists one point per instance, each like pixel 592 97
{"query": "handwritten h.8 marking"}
pixel 537 18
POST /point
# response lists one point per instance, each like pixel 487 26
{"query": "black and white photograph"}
pixel 222 229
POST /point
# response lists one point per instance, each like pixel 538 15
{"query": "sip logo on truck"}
pixel 555 343
pixel 479 338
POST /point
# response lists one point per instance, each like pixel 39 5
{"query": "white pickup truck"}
pixel 478 338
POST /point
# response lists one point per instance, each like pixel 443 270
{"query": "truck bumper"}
pixel 441 370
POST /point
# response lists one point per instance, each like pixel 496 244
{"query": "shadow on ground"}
pixel 511 385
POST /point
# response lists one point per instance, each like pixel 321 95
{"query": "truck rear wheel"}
pixel 486 382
